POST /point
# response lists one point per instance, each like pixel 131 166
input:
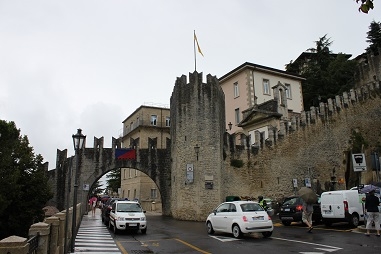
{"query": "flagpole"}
pixel 194 48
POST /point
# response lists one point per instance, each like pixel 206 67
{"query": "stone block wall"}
pixel 318 148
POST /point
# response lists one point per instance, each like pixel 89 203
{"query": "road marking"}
pixel 193 247
pixel 123 250
pixel 325 247
pixel 224 238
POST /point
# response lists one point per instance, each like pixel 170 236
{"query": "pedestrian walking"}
pixel 93 204
pixel 308 209
pixel 371 209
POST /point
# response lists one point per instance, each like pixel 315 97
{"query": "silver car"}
pixel 238 218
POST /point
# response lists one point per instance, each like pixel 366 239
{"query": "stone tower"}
pixel 197 129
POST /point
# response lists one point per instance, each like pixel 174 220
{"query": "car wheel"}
pixel 286 222
pixel 209 228
pixel 144 231
pixel 267 234
pixel 237 233
pixel 354 220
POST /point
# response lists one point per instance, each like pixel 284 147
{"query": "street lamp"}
pixel 78 141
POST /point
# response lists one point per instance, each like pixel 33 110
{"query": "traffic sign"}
pixel 359 163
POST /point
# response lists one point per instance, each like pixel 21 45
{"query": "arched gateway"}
pixel 187 178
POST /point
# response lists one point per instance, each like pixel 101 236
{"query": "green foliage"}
pixel 114 180
pixel 96 190
pixel 236 163
pixel 24 188
pixel 365 5
pixel 327 74
pixel 374 38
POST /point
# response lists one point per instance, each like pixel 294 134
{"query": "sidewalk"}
pixel 94 237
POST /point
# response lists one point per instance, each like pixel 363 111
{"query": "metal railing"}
pixel 33 244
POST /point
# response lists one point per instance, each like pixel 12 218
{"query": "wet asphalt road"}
pixel 166 236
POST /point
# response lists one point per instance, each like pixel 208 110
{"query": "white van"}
pixel 342 205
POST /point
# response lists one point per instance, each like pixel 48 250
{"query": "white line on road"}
pixel 326 247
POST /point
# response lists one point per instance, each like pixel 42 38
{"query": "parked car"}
pixel 239 217
pixel 292 208
pixel 106 208
pixel 127 215
pixel 342 206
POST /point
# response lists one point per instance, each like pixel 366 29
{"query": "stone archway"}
pixel 97 161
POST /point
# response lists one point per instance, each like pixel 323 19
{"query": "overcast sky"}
pixel 90 63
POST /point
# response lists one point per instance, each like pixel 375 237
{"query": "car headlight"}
pixel 120 218
pixel 143 218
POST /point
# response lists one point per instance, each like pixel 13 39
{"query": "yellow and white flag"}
pixel 198 46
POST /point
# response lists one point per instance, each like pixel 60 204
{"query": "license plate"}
pixel 132 224
pixel 287 209
pixel 327 212
pixel 258 218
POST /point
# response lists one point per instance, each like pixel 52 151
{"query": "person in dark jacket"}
pixel 371 209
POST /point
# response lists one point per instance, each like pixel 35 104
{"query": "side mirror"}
pixel 144 211
pixel 215 212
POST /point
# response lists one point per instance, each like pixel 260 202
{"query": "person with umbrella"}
pixel 309 198
pixel 371 209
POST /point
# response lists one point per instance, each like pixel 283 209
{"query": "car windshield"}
pixel 251 207
pixel 129 207
pixel 291 201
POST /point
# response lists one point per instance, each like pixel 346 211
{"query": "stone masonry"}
pixel 317 144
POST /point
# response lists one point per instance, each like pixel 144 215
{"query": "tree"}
pixel 24 188
pixel 326 74
pixel 113 180
pixel 96 190
pixel 365 5
pixel 374 38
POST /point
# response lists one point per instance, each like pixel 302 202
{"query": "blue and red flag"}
pixel 125 154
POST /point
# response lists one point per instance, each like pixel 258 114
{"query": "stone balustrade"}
pixel 52 235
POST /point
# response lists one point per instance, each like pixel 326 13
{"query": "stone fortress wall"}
pixel 315 145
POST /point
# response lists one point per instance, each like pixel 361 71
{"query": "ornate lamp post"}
pixel 78 141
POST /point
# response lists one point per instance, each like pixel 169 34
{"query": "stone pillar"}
pixel 54 223
pixel 345 100
pixel 257 135
pixel 61 233
pixel 330 106
pixel 14 245
pixel 313 114
pixel 339 104
pixel 43 229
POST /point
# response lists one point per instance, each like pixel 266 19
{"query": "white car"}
pixel 240 217
pixel 127 215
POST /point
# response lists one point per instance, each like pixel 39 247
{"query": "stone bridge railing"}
pixel 53 235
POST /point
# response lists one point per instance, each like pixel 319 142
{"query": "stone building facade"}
pixel 148 122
